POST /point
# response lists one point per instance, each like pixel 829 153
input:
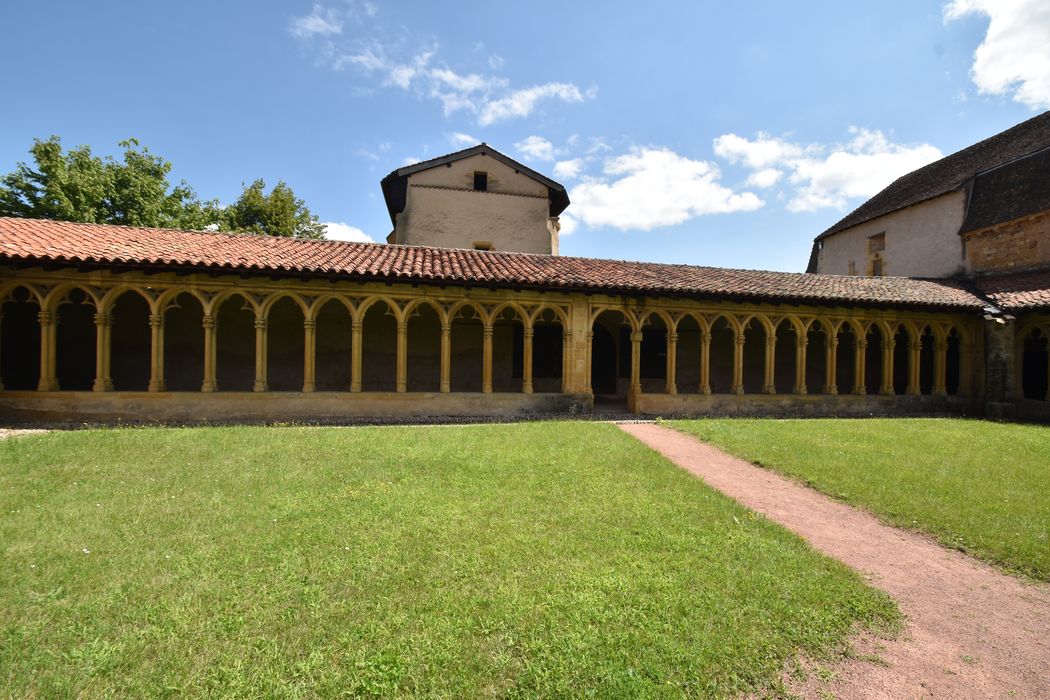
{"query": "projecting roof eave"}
pixel 304 274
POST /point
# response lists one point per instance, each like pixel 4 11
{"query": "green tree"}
pixel 79 186
pixel 279 213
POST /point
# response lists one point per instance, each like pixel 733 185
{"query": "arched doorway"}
pixel 20 341
pixel 130 343
pixel 184 344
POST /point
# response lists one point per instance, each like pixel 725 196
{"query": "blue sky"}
pixel 708 133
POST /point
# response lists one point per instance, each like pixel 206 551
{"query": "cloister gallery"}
pixel 102 322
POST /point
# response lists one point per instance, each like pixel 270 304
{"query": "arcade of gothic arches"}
pixel 62 333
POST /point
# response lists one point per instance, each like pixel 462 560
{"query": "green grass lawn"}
pixel 978 486
pixel 550 559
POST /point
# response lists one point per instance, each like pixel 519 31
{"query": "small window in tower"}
pixel 481 180
pixel 877 243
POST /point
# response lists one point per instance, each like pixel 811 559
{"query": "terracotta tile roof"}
pixel 1017 291
pixel 951 172
pixel 94 244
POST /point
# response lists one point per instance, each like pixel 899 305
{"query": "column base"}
pixel 309 387
pixel 209 387
pixel 156 385
pixel 102 385
pixel 47 385
pixel 259 386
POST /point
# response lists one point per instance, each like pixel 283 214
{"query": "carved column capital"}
pixel 672 337
pixel 636 336
pixel 45 318
pixel 356 326
pixel 706 336
pixel 156 320
pixel 487 331
pixel 260 323
pixel 529 332
pixel 208 321
pixel 101 320
pixel 309 324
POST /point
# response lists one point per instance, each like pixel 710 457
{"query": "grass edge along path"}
pixel 514 560
pixel 976 486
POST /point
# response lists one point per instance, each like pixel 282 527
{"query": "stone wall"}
pixel 1013 245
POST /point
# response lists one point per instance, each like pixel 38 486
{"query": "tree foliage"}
pixel 279 213
pixel 77 185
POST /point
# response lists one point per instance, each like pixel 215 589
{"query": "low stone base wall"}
pixel 804 405
pixel 249 407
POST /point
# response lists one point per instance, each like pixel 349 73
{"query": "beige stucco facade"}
pixel 920 241
pixel 443 209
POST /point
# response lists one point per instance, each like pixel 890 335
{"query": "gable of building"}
pixel 395 185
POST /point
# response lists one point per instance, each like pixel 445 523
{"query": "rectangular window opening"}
pixel 481 181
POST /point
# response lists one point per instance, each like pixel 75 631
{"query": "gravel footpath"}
pixel 972 631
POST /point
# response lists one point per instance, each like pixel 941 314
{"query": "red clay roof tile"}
pixel 35 240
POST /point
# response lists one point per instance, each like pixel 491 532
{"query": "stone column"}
pixel 402 357
pixel 636 362
pixel 355 356
pixel 738 362
pixel 446 358
pixel 940 368
pixel 48 323
pixel 887 366
pixel 309 355
pixel 526 367
pixel 860 357
pixel 769 385
pixel 209 384
pixel 156 364
pixel 486 360
pixel 831 361
pixel 261 365
pixel 801 343
pixel 914 352
pixel 672 362
pixel 103 382
pixel 705 363
pixel 588 365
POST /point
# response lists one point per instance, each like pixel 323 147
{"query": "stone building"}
pixel 981 217
pixel 107 322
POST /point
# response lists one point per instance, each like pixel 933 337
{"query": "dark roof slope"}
pixel 951 172
pixel 93 245
pixel 395 185
pixel 1019 291
pixel 1018 188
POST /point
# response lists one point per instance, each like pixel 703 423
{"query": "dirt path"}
pixel 972 631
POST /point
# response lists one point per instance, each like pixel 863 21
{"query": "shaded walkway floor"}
pixel 971 630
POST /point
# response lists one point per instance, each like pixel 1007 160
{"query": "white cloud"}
pixel 392 57
pixel 338 231
pixel 320 22
pixel 765 178
pixel 1013 58
pixel 569 169
pixel 651 187
pixel 536 147
pixel 521 103
pixel 758 153
pixel 824 176
pixel 461 140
